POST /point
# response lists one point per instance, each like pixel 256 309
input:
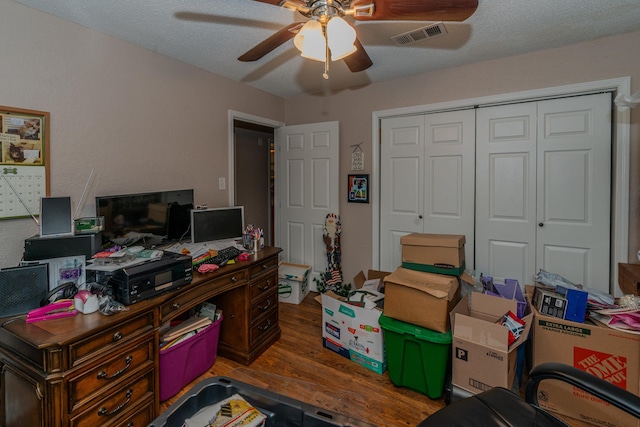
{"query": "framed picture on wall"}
pixel 358 189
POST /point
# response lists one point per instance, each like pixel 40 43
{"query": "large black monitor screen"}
pixel 150 218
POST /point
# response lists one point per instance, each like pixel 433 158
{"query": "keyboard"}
pixel 223 256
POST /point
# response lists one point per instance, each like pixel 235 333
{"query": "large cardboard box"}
pixel 420 298
pixel 598 349
pixel 482 358
pixel 353 332
pixel 293 282
pixel 433 253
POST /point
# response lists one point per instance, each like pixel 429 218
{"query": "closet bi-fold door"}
pixel 543 189
pixel 427 180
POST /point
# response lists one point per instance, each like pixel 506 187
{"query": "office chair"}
pixel 500 407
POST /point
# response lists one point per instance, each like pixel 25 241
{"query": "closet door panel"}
pixel 401 192
pixel 449 177
pixel 506 191
pixel 574 193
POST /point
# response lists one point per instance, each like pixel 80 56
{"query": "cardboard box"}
pixel 598 349
pixel 481 355
pixel 353 332
pixel 420 298
pixel 293 282
pixel 433 253
pixel 506 288
pixel 629 278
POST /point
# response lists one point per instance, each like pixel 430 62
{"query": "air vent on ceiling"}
pixel 428 32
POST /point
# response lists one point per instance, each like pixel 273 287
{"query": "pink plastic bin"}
pixel 182 363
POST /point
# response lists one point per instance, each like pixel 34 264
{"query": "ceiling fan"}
pixel 327 35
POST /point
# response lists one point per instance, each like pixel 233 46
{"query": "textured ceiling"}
pixel 211 34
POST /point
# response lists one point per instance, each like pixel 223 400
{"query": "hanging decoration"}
pixel 357 158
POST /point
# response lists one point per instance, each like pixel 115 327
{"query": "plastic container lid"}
pixel 417 331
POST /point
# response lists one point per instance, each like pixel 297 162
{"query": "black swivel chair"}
pixel 500 407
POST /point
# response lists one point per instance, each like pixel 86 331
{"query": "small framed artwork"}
pixel 358 189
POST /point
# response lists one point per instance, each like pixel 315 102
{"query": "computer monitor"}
pixel 208 225
pixel 55 217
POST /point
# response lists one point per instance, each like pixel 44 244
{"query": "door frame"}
pixel 621 142
pixel 231 184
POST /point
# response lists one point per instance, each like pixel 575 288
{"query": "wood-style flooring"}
pixel 299 367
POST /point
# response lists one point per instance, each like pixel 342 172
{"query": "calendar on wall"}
pixel 24 175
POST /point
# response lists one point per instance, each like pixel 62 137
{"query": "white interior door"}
pixel 401 188
pixel 574 185
pixel 543 189
pixel 307 164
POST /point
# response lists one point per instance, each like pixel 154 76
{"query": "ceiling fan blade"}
pixel 269 44
pixel 359 60
pixel 418 10
pixel 273 2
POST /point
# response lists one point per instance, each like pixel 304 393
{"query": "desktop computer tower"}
pixel 37 248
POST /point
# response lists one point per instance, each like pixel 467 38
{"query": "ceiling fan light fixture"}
pixel 310 41
pixel 341 38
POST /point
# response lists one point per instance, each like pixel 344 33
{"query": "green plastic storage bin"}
pixel 417 358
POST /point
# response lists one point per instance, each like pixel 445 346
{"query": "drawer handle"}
pixel 234 279
pixel 117 336
pixel 265 266
pixel 265 327
pixel 265 287
pixel 103 374
pixel 104 411
pixel 175 305
pixel 264 307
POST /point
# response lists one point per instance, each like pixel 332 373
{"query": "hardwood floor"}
pixel 299 367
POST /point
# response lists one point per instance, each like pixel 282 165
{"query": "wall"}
pixel 600 59
pixel 141 121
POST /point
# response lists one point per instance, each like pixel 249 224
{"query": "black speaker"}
pixel 37 248
pixel 23 288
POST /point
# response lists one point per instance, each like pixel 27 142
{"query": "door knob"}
pixel 541 224
pixel 419 216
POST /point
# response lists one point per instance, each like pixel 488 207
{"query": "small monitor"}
pixel 208 225
pixel 55 217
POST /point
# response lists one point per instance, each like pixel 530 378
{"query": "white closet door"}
pixel 401 192
pixel 426 180
pixel 450 176
pixel 574 184
pixel 543 189
pixel 506 191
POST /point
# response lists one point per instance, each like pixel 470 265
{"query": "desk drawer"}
pixel 185 300
pixel 264 267
pixel 122 402
pixel 263 328
pixel 93 383
pixel 102 342
pixel 264 286
pixel 264 306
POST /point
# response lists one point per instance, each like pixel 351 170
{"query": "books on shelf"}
pixel 182 328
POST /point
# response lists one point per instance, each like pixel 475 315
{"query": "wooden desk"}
pixel 91 370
